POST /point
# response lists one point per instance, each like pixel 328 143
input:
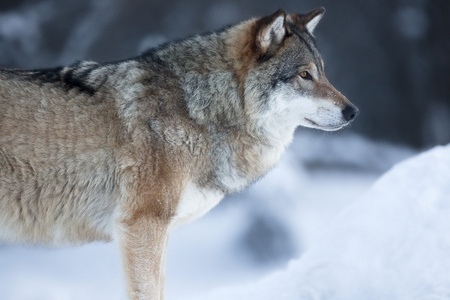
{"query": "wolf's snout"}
pixel 350 112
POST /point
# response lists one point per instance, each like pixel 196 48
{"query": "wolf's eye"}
pixel 305 75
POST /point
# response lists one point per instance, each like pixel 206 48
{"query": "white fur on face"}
pixel 289 110
pixel 321 114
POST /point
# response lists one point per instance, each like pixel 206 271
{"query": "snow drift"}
pixel 394 243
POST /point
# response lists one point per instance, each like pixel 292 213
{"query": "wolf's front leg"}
pixel 143 243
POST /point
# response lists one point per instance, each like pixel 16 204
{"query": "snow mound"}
pixel 394 243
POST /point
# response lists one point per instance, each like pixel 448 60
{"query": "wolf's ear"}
pixel 312 19
pixel 271 32
pixel 309 20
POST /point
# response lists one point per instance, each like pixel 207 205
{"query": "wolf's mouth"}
pixel 312 122
pixel 326 128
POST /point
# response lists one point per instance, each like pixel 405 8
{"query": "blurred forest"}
pixel 390 58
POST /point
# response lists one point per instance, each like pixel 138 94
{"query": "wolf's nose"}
pixel 350 112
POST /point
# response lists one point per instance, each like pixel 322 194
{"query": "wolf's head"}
pixel 282 77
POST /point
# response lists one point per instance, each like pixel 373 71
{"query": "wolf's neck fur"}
pixel 244 149
pixel 208 80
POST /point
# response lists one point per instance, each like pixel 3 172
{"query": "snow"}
pixel 88 272
pixel 393 243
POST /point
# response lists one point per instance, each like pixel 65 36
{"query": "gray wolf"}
pixel 129 150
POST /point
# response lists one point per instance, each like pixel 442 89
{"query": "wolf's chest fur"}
pixel 231 174
pixel 195 202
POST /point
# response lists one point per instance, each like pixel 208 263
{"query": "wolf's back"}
pixel 56 153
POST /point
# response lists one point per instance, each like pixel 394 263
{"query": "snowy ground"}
pixel 393 243
pixel 311 210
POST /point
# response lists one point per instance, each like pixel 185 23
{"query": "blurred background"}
pixel 390 58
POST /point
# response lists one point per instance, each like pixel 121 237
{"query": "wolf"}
pixel 129 150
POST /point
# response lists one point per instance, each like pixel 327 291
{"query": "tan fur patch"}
pixel 241 49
